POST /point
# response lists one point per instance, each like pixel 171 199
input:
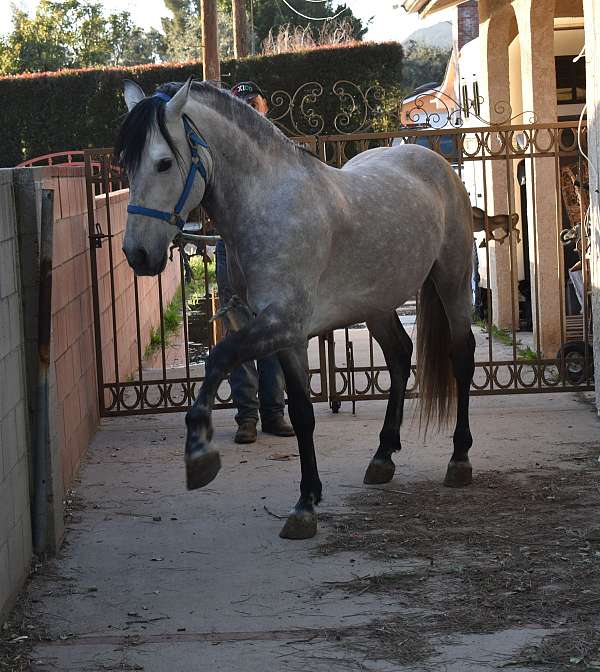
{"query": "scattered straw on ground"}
pixel 515 549
pixel 18 634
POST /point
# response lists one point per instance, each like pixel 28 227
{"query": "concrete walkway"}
pixel 158 579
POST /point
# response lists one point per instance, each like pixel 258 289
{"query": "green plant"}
pixel 527 353
pixel 173 313
pixel 505 336
pixel 153 343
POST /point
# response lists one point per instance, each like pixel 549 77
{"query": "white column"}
pixel 494 37
pixel 536 33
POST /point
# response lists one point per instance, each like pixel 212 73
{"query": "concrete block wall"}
pixel 15 522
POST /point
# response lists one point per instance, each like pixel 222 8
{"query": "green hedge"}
pixel 77 109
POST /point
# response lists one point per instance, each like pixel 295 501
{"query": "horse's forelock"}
pixel 135 129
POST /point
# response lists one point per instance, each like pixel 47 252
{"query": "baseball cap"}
pixel 246 90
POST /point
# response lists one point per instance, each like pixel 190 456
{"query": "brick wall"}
pixel 73 349
pixel 466 25
pixel 73 364
pixel 15 525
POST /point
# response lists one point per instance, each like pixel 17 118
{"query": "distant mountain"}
pixel 439 35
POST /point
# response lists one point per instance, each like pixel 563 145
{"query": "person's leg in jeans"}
pixel 271 397
pixel 243 380
pixel 249 385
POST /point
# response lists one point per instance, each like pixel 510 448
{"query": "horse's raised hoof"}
pixel 379 471
pixel 300 525
pixel 459 474
pixel 201 467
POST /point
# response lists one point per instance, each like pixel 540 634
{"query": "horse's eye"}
pixel 164 164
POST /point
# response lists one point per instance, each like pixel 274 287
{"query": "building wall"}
pixel 15 525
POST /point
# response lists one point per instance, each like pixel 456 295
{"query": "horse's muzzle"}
pixel 142 263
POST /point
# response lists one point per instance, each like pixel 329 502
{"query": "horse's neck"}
pixel 243 171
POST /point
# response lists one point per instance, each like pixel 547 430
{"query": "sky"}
pixel 390 21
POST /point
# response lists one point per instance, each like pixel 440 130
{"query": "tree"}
pixel 41 43
pixel 183 34
pixel 130 45
pixel 423 64
pixel 183 37
pixel 72 34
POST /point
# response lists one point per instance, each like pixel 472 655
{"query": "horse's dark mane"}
pixel 150 111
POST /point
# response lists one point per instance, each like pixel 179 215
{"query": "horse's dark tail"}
pixel 435 378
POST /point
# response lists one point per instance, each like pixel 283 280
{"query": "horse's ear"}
pixel 133 93
pixel 175 105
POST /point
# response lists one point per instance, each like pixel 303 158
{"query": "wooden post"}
pixel 210 41
pixel 240 29
pixel 591 12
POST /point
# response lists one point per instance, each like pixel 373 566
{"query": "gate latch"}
pixel 96 238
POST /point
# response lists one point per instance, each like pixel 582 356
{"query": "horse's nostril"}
pixel 136 256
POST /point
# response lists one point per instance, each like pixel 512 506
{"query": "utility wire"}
pixel 314 18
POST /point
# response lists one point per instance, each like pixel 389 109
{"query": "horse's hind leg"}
pixel 302 521
pixel 459 471
pixel 397 349
pixel 455 299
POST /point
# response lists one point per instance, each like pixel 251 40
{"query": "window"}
pixel 570 80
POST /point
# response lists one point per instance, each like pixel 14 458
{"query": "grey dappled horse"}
pixel 296 231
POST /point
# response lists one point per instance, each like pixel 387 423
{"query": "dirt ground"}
pixel 408 576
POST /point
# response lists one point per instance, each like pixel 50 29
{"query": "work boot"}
pixel 246 432
pixel 277 426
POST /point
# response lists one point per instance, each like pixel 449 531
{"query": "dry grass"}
pixel 17 636
pixel 291 38
pixel 515 549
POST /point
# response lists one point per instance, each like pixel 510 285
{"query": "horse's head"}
pixel 167 162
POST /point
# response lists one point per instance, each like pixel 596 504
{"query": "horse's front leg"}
pixel 302 521
pixel 258 338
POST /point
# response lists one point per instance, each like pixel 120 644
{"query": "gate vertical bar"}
pixel 90 196
pixel 105 168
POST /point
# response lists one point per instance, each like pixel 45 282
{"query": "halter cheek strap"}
pixel 197 166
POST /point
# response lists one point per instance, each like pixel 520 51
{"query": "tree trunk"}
pixel 240 29
pixel 210 42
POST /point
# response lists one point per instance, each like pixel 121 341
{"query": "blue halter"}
pixel 194 141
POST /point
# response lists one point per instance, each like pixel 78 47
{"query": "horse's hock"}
pixel 521 290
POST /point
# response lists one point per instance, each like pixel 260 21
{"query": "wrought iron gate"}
pixel 531 316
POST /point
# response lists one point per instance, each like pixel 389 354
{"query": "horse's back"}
pixel 405 209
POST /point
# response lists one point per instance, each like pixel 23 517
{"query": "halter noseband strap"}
pixel 194 141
